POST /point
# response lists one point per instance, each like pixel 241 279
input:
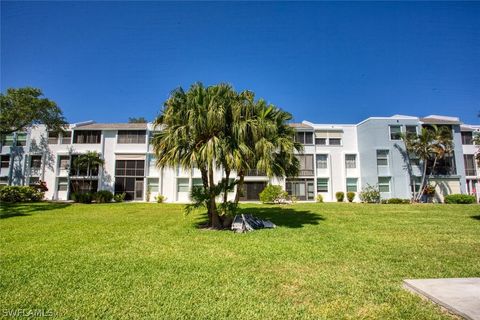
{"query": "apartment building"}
pixel 336 157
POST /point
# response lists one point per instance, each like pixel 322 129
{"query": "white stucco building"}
pixel 336 157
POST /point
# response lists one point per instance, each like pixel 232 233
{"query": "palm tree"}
pixel 90 161
pixel 431 145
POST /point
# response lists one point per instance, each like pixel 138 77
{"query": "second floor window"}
pixel 334 142
pixel 64 162
pixel 21 139
pixel 5 161
pixel 87 136
pixel 320 141
pixel 467 137
pixel 395 132
pixel 7 140
pixel 382 157
pixel 131 136
pixel 52 137
pixel 322 162
pixel 350 161
pixel 66 137
pixel 304 137
pixel 306 164
pixel 470 169
pixel 36 162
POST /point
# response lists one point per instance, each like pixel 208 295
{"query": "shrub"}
pixel 397 201
pixel 340 196
pixel 459 199
pixel 319 198
pixel 273 194
pixel 119 197
pixel 86 197
pixel 20 194
pixel 369 194
pixel 103 196
pixel 350 196
pixel 161 198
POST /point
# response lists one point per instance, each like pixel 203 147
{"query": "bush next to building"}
pixel 273 194
pixel 319 198
pixel 86 197
pixel 459 199
pixel 103 196
pixel 396 201
pixel 340 196
pixel 350 196
pixel 369 194
pixel 119 197
pixel 20 194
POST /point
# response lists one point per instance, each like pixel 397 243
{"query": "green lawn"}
pixel 330 261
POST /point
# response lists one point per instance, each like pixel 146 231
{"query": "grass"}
pixel 324 261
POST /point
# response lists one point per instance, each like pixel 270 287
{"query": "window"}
pixel 322 161
pixel 352 184
pixel 414 159
pixel 63 162
pixel 395 132
pixel 21 139
pixel 320 141
pixel 8 140
pixel 36 162
pixel 384 184
pixel 5 161
pixel 470 169
pixel 130 168
pixel 52 137
pixel 382 157
pixel 152 184
pixel 306 165
pixel 350 161
pixel 467 137
pixel 33 181
pixel 415 184
pixel 66 137
pixel 322 185
pixel 334 142
pixel 131 136
pixel 3 181
pixel 197 182
pixel 411 130
pixel 87 136
pixel 302 189
pixel 304 137
pixel 182 185
pixel 62 184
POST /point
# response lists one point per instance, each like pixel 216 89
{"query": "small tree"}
pixel 90 162
pixel 370 194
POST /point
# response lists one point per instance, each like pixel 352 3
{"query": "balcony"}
pixel 255 173
pixel 470 172
pixel 305 172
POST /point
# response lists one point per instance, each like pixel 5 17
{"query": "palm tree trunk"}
pixel 204 173
pixel 212 207
pixel 241 176
pixel 424 174
pixel 225 189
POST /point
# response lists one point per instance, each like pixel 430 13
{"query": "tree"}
pixel 215 128
pixel 24 107
pixel 431 145
pixel 89 162
pixel 137 120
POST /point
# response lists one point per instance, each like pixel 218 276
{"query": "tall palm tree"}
pixel 90 161
pixel 431 145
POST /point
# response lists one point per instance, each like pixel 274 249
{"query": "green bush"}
pixel 397 201
pixel 273 194
pixel 160 198
pixel 20 194
pixel 119 197
pixel 86 197
pixel 103 196
pixel 459 199
pixel 319 198
pixel 350 196
pixel 340 196
pixel 369 194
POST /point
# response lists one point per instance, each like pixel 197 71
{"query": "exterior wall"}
pixel 362 140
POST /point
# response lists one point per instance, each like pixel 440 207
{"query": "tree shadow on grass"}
pixel 9 210
pixel 477 217
pixel 281 216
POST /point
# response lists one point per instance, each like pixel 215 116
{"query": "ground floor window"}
pixel 82 185
pixel 131 186
pixel 62 184
pixel 322 184
pixel 302 189
pixel 183 185
pixel 152 184
pixel 384 184
pixel 352 184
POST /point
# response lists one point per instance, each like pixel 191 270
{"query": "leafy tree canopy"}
pixel 24 107
pixel 137 120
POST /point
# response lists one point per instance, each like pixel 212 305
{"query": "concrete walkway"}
pixel 460 296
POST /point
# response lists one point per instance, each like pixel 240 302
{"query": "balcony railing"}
pixel 470 172
pixel 303 172
pixel 256 173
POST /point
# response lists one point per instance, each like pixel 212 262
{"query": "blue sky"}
pixel 326 62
